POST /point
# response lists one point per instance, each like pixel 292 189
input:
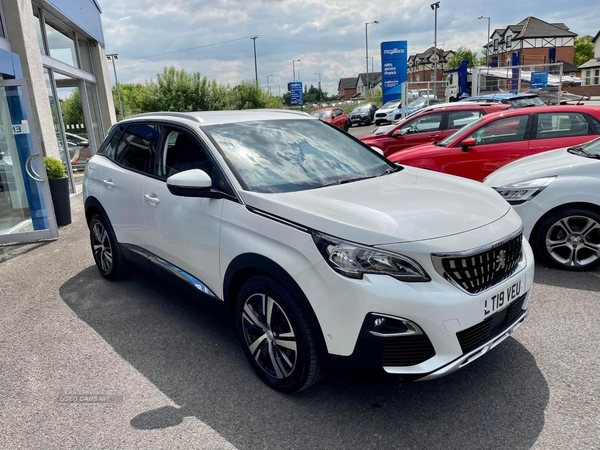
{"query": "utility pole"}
pixel 435 6
pixel 487 41
pixel 278 90
pixel 320 93
pixel 268 85
pixel 112 58
pixel 367 53
pixel 294 68
pixel 255 65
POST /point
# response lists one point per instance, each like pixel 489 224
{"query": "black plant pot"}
pixel 59 190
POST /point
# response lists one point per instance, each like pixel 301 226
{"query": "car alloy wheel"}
pixel 105 249
pixel 574 241
pixel 269 336
pixel 278 340
pixel 569 238
pixel 101 247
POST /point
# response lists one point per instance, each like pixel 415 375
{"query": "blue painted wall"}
pixel 10 64
pixel 85 13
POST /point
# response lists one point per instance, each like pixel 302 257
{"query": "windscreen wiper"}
pixel 579 150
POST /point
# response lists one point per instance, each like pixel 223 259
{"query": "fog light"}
pixel 379 322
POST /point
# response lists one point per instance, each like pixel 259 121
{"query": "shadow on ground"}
pixel 192 355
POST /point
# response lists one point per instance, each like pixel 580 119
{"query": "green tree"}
pixel 71 109
pixel 136 98
pixel 459 55
pixel 584 50
pixel 250 96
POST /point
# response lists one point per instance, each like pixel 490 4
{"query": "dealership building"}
pixel 55 100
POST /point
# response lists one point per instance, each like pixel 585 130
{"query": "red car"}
pixel 500 138
pixel 429 125
pixel 334 116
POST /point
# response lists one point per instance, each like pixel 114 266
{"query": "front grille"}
pixel 380 115
pixel 407 350
pixel 491 327
pixel 479 271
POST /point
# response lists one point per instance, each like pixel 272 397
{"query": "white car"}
pixel 388 112
pixel 557 195
pixel 325 254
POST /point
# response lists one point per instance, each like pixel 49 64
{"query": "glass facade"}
pixel 61 45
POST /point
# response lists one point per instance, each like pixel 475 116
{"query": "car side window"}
pixel 430 122
pixel 458 119
pixel 109 146
pixel 561 124
pixel 137 148
pixel 595 124
pixel 508 129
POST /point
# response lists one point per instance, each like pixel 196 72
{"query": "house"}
pixel 421 65
pixel 531 41
pixel 361 83
pixel 590 71
pixel 347 88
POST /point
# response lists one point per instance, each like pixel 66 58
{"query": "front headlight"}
pixel 518 193
pixel 353 260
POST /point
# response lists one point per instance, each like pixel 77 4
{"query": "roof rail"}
pixel 168 113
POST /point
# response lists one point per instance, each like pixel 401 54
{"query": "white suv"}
pixel 324 253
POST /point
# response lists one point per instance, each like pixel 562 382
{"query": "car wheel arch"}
pixel 93 207
pixel 245 266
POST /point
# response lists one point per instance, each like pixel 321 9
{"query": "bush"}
pixel 54 168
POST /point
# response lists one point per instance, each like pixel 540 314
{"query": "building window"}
pixel 588 77
pixel 495 45
pixel 508 42
pixel 596 76
pixel 38 30
pixel 61 44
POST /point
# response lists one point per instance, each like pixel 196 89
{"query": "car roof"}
pixel 324 109
pixel 544 110
pixel 222 117
pixel 502 96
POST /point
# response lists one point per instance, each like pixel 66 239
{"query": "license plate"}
pixel 502 299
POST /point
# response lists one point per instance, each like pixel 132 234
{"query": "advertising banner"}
pixel 393 68
pixel 296 94
pixel 539 80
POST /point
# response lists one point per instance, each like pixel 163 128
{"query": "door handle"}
pixel 153 199
pixel 434 135
pixel 30 170
pixel 108 183
pixel 514 155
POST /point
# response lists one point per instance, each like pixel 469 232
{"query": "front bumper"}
pixel 359 120
pixel 439 308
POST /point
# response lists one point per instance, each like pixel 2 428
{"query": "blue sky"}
pixel 328 36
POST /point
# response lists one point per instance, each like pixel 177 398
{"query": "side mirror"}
pixel 192 183
pixel 467 144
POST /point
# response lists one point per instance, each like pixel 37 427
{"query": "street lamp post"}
pixel 367 51
pixel 487 41
pixel 112 58
pixel 255 65
pixel 268 85
pixel 294 68
pixel 435 6
pixel 319 73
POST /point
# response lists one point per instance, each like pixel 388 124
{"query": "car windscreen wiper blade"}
pixel 347 180
pixel 392 170
pixel 579 150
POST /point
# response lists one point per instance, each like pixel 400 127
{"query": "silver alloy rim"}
pixel 574 241
pixel 101 247
pixel 269 336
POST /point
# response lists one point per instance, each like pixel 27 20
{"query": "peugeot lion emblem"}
pixel 501 260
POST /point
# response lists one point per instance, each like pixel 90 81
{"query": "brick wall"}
pixel 537 56
pixel 584 90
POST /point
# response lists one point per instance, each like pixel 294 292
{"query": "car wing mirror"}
pixel 467 144
pixel 192 183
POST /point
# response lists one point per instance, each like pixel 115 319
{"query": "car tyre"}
pixel 569 239
pixel 106 250
pixel 276 336
pixel 346 126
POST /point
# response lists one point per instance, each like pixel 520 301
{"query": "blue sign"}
pixel 539 80
pixel 296 94
pixel 393 69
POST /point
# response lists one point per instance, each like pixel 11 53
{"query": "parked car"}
pixel 519 100
pixel 363 115
pixel 412 94
pixel 557 195
pixel 549 96
pixel 428 125
pixel 418 104
pixel 79 150
pixel 387 113
pixel 426 93
pixel 497 139
pixel 324 253
pixel 334 116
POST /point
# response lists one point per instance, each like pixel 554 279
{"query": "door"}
pixel 184 231
pixel 121 178
pixel 497 143
pixel 562 129
pixel 420 130
pixel 26 211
